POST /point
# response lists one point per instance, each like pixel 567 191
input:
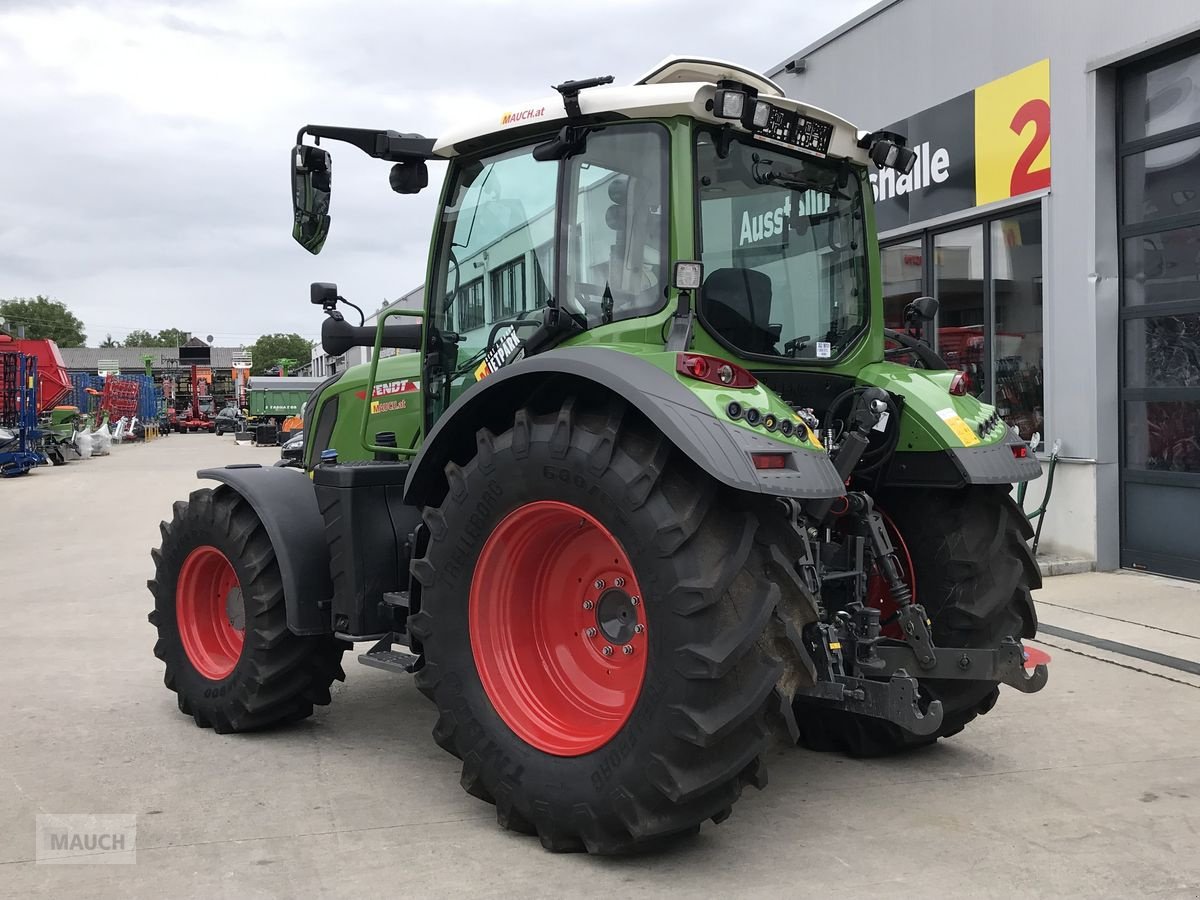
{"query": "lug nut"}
pixel 591 632
pixel 599 585
pixel 588 604
pixel 639 628
pixel 635 599
pixel 627 650
pixel 608 651
pixel 619 581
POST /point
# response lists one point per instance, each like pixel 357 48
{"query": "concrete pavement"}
pixel 1090 788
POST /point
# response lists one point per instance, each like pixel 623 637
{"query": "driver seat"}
pixel 736 303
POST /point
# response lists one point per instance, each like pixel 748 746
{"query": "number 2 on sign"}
pixel 1023 178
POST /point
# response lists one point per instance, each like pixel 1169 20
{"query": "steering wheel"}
pixel 585 294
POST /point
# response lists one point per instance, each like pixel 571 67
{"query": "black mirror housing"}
pixel 922 309
pixel 409 177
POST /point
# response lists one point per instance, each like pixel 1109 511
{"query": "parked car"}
pixel 229 419
pixel 293 447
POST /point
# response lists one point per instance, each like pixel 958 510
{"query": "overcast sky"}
pixel 143 157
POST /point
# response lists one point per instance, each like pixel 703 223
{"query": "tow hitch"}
pixel 855 666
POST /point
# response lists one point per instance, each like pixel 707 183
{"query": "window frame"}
pixel 495 278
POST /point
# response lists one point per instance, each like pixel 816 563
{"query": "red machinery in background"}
pixel 53 381
pixel 200 416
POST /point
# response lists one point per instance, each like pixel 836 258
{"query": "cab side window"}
pixel 616 193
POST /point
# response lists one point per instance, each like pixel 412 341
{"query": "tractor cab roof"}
pixel 678 86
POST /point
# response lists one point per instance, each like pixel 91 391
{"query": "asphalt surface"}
pixel 1090 788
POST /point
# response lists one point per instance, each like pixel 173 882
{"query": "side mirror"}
pixel 923 309
pixel 311 186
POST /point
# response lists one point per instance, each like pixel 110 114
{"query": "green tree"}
pixel 269 349
pixel 141 338
pixel 44 318
pixel 109 342
pixel 171 337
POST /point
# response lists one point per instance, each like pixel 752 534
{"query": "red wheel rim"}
pixel 879 595
pixel 210 612
pixel 558 628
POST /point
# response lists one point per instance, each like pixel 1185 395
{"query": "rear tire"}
pixel 974 574
pixel 691 735
pixel 230 678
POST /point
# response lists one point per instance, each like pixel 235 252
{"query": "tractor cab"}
pixel 575 213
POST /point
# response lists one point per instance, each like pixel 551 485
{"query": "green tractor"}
pixel 644 482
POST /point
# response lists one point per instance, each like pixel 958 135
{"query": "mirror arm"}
pixel 388 145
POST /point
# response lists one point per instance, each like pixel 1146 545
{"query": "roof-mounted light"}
pixel 762 112
pixel 888 151
pixel 729 103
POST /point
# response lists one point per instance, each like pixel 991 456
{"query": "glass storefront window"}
pixel 987 278
pixel 958 279
pixel 1163 351
pixel 1161 99
pixel 1163 436
pixel 1016 275
pixel 1162 267
pixel 903 281
pixel 1162 182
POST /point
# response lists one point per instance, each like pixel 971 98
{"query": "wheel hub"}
pixel 616 616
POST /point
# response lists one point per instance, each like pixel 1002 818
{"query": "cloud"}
pixel 144 143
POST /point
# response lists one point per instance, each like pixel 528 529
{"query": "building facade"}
pixel 1054 211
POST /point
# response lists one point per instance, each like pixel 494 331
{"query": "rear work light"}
pixel 714 371
pixel 770 460
pixel 959 384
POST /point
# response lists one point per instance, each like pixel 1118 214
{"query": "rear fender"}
pixel 718 447
pixel 286 504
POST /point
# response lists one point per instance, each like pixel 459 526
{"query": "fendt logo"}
pixel 525 114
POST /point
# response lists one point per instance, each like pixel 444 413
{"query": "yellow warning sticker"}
pixel 812 436
pixel 961 429
pixel 483 371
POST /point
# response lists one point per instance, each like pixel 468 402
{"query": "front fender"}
pixel 286 504
pixel 718 447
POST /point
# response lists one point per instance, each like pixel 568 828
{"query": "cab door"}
pixel 494 264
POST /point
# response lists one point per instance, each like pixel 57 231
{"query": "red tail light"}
pixel 960 384
pixel 714 371
pixel 770 460
pixel 1020 451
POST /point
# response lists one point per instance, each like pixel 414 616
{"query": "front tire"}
pixel 974 573
pixel 590 751
pixel 222 625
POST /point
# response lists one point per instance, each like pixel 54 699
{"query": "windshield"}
pixel 784 250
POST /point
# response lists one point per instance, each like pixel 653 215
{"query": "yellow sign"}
pixel 958 425
pixel 1012 134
